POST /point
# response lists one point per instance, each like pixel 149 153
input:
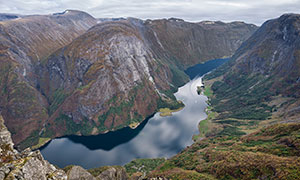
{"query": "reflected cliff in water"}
pixel 155 137
pixel 110 139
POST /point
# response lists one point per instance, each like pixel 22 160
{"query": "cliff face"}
pixel 120 72
pixel 190 43
pixel 25 43
pixel 108 78
pixel 57 79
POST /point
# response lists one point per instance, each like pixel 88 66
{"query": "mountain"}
pixel 65 74
pixel 265 72
pixel 8 16
pixel 252 129
pixel 25 43
pixel 201 41
pixel 119 73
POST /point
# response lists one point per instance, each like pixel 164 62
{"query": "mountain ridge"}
pixel 52 66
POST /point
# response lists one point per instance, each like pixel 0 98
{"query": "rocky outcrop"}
pixel 77 172
pixel 113 174
pixel 25 165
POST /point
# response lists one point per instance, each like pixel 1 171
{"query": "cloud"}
pixel 255 11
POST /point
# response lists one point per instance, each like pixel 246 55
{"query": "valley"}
pixel 164 136
pixel 94 80
pixel 86 94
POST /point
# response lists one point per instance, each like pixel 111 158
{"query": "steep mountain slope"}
pixel 265 73
pixel 55 79
pixel 108 78
pixel 25 43
pixel 190 43
pixel 120 72
pixel 252 129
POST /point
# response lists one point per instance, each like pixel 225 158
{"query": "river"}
pixel 155 137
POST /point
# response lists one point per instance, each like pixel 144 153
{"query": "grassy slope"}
pixel 272 153
pixel 236 141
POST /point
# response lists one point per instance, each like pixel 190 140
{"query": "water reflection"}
pixel 156 137
pixel 110 139
pixel 159 137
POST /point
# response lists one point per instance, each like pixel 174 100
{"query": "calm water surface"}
pixel 156 137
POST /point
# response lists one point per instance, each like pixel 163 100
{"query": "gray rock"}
pixel 78 173
pixel 113 174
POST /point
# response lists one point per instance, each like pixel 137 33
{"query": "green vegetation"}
pixel 208 92
pixel 31 140
pixel 205 125
pixel 271 152
pixel 235 141
pixel 243 99
pixel 119 107
pixel 85 127
pixel 168 112
pixel 58 98
pixel 42 142
pixel 179 78
pixel 180 174
pixel 172 103
pixel 143 165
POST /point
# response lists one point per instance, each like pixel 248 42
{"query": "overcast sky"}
pixel 251 11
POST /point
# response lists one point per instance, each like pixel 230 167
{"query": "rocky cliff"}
pixel 59 75
pixel 25 44
pixel 188 44
pixel 104 77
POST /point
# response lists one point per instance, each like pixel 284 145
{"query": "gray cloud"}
pixel 254 11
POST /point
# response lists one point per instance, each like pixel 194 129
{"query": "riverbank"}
pixel 232 148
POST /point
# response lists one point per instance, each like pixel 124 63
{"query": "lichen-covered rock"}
pixel 113 174
pixel 77 172
pixel 27 165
